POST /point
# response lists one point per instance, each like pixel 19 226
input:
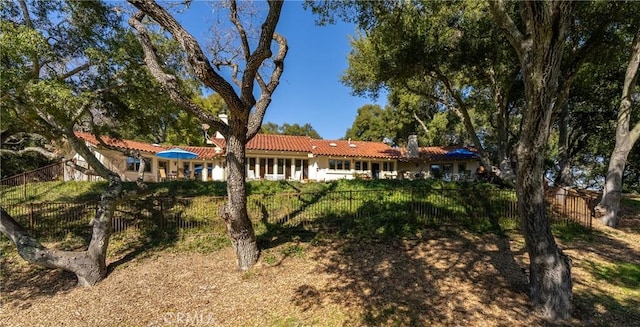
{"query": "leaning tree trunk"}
pixel 235 214
pixel 564 177
pixel 609 205
pixel 550 269
pixel 90 265
pixel 502 124
pixel 540 50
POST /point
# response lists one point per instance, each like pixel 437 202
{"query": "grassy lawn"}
pixel 60 191
pixel 378 267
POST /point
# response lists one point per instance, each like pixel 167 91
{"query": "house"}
pixel 284 157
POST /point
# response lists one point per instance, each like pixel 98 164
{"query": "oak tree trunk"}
pixel 90 265
pixel 246 112
pixel 550 269
pixel 235 214
pixel 502 123
pixel 609 205
pixel 564 177
pixel 539 49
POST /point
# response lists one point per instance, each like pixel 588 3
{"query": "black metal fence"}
pixel 20 188
pixel 317 211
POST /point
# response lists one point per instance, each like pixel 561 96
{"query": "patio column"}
pixel 205 171
pixel 275 166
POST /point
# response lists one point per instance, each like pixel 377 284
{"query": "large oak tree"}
pixel 546 61
pixel 539 43
pixel 59 72
pixel 246 62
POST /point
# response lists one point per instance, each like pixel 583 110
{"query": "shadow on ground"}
pixel 446 277
pixel 21 284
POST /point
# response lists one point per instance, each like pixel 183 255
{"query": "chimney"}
pixel 223 116
pixel 412 147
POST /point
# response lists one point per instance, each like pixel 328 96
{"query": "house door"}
pixel 263 168
pixel 305 169
pixel 375 170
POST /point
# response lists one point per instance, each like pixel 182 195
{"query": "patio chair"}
pixel 251 175
pixel 180 174
pixel 296 176
pixel 163 174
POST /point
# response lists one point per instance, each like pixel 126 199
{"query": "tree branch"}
pixel 84 170
pixel 243 34
pixel 42 151
pixel 512 32
pixel 195 56
pixel 29 23
pixel 262 52
pixel 168 81
pixel 74 71
pixel 81 148
pixel 631 77
pixel 28 247
pixel 421 122
pixel 255 119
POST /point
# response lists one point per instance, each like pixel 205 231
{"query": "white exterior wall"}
pixel 218 172
pixel 331 175
pixel 314 169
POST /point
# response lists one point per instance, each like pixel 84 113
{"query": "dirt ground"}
pixel 445 278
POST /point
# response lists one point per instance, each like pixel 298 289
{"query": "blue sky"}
pixel 310 90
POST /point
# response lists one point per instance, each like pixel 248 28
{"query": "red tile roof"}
pixel 289 143
pixel 202 152
pixel 122 144
pixel 342 148
pixel 274 142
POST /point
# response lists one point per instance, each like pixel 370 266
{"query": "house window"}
pixel 388 166
pixel 447 169
pixel 270 166
pixel 133 164
pixel 462 167
pixel 339 164
pixel 435 171
pixel 361 165
pixel 251 164
pixel 280 166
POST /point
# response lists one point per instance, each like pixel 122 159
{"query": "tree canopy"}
pixel 509 72
pixel 290 129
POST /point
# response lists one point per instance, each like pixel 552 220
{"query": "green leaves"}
pixel 290 129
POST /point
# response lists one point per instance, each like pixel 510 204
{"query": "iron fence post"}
pixel 31 219
pixel 24 186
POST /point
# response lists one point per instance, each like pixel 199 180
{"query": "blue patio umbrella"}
pixel 461 153
pixel 176 153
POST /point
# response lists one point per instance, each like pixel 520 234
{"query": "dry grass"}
pixel 447 277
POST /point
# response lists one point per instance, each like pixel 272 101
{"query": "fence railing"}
pixel 19 188
pixel 322 210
